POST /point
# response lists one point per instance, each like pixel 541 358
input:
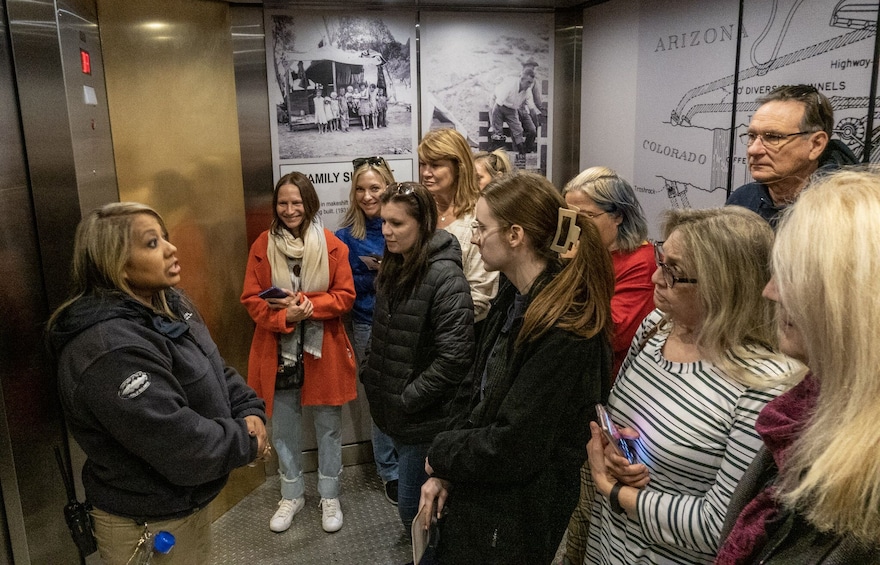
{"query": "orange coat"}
pixel 329 380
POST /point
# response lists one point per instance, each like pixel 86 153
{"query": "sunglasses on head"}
pixel 361 161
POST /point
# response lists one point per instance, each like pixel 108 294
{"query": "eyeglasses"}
pixel 478 229
pixel 768 139
pixel 361 161
pixel 591 215
pixel 668 275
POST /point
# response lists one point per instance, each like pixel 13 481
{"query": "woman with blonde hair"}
pixel 361 231
pixel 160 416
pixel 813 492
pixel 510 463
pixel 489 166
pixel 446 169
pixel 701 367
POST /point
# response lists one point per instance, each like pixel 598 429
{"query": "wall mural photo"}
pixel 693 102
pixel 340 87
pixel 490 77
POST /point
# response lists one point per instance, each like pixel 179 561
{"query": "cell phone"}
pixel 372 261
pixel 624 447
pixel 272 292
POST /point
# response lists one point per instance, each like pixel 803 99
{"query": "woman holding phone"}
pixel 701 368
pixel 310 265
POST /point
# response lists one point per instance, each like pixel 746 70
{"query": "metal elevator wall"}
pixel 56 162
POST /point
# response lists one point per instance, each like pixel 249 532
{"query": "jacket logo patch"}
pixel 134 385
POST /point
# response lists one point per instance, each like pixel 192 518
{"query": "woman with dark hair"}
pixel 510 464
pixel 303 324
pixel 162 419
pixel 423 342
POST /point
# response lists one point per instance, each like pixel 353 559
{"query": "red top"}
pixel 633 297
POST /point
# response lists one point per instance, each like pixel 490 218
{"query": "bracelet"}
pixel 614 499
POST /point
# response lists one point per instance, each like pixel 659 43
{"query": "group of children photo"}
pixel 335 112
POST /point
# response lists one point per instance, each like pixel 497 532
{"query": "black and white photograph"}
pixel 490 77
pixel 340 85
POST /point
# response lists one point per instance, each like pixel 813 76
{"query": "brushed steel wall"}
pixel 55 164
pixel 171 93
pixel 252 89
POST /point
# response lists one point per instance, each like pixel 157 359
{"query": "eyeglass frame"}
pixel 359 162
pixel 668 276
pixel 478 229
pixel 776 137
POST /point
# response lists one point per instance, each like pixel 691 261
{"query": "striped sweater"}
pixel 696 435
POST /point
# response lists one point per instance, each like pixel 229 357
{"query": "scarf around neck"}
pixel 310 251
pixel 779 424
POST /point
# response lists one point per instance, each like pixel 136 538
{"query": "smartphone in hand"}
pixel 624 447
pixel 272 292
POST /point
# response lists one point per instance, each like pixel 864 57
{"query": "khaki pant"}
pixel 117 538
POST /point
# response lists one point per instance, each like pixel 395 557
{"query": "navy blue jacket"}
pixel 153 405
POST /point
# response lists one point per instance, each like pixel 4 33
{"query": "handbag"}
pixel 291 377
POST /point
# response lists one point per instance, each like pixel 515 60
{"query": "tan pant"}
pixel 117 538
pixel 579 525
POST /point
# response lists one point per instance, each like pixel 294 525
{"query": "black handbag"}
pixel 291 377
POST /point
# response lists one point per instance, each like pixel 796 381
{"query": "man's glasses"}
pixel 768 139
pixel 668 275
pixel 361 161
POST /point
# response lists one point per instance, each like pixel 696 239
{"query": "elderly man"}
pixel 788 140
pixel 505 106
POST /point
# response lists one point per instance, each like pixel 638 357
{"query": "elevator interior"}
pixel 99 102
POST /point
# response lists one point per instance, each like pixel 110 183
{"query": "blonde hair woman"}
pixel 361 231
pixel 161 418
pixel 489 166
pixel 700 369
pixel 446 169
pixel 815 488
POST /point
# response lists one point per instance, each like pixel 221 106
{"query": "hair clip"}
pixel 567 230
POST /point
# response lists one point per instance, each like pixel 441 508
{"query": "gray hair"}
pixel 615 196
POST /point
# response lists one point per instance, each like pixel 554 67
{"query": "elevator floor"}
pixel 371 534
pixel 371 531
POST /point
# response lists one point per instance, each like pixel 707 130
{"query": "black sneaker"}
pixel 391 491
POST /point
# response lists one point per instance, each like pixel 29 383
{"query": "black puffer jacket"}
pixel 421 349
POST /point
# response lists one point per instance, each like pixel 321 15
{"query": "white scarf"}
pixel 311 251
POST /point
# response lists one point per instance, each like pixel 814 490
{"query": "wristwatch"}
pixel 614 499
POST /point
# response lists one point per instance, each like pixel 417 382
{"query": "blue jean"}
pixel 412 476
pixel 287 439
pixel 383 447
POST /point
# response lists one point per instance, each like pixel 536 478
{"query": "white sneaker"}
pixel 331 515
pixel 287 509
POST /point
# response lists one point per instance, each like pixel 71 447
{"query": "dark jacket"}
pixel 421 348
pixel 791 540
pixel 153 405
pixel 756 197
pixel 514 459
